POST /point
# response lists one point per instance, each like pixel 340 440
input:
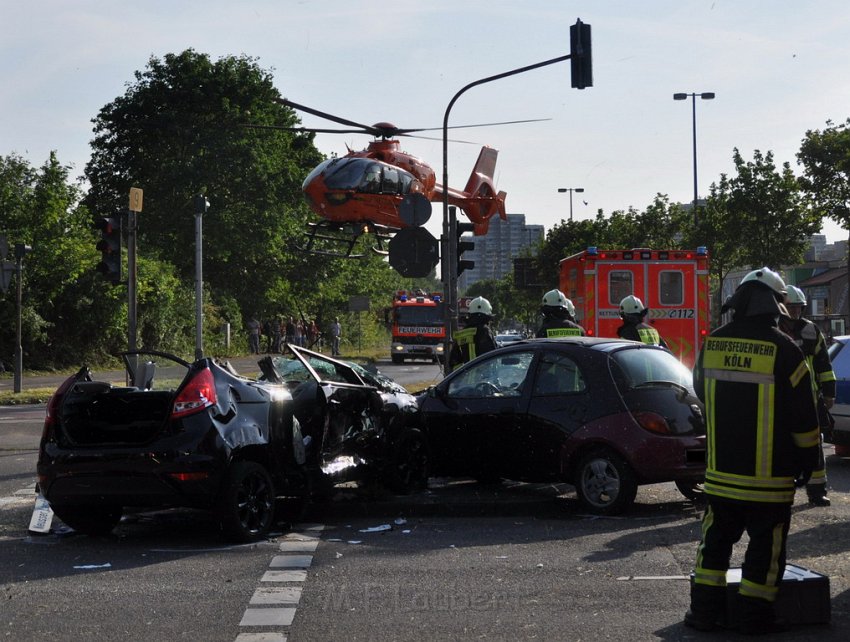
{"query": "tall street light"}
pixel 706 95
pixel 570 190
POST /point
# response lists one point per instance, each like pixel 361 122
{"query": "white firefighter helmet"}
pixel 795 296
pixel 555 299
pixel 480 305
pixel 767 276
pixel 631 305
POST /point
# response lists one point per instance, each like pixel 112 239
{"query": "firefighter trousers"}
pixel 723 525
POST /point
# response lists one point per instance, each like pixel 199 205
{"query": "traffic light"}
pixel 580 56
pixel 110 248
pixel 462 246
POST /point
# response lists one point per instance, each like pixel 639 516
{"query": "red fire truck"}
pixel 673 284
pixel 418 326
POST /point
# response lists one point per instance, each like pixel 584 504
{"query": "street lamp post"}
pixel 706 95
pixel 570 190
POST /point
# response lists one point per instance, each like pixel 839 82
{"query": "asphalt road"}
pixel 460 561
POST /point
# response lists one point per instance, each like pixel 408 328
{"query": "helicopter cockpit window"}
pixel 371 183
pixel 348 173
pixel 406 181
pixel 321 167
pixel 391 184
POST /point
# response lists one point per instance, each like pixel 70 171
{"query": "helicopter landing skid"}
pixel 323 237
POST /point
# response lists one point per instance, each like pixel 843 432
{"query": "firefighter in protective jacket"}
pixel 476 338
pixel 633 312
pixel 809 339
pixel 559 317
pixel 762 441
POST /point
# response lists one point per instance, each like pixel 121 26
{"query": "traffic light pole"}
pixel 448 263
pixel 132 309
pixel 21 251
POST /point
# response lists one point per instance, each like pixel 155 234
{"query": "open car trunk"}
pixel 103 413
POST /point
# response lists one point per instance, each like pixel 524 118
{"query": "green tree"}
pixel 825 157
pixel 769 205
pixel 68 314
pixel 180 130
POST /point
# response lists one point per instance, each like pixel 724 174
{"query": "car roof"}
pixel 603 344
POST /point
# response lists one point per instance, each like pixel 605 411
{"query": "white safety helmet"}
pixel 767 276
pixel 555 299
pixel 795 296
pixel 631 305
pixel 480 305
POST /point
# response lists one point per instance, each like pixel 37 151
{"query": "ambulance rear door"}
pixel 671 296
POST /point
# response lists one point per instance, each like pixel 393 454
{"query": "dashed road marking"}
pixel 273 606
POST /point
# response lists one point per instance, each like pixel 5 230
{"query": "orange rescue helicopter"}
pixel 365 191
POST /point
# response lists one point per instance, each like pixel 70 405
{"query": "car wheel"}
pixel 90 520
pixel 605 483
pixel 691 489
pixel 246 504
pixel 397 358
pixel 410 463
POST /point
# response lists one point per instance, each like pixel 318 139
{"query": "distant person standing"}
pixel 336 335
pixel 254 335
pixel 559 318
pixel 633 312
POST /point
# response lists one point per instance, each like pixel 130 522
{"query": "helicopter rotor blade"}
pixel 342 121
pixel 403 131
pixel 306 130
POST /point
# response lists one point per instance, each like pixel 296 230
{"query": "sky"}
pixel 778 68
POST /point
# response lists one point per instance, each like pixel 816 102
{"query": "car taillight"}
pixel 196 395
pixel 51 418
pixel 653 422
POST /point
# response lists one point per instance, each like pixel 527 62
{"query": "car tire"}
pixel 90 520
pixel 247 502
pixel 397 359
pixel 410 463
pixel 691 489
pixel 605 483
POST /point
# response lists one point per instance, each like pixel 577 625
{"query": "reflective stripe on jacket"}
pixel 761 423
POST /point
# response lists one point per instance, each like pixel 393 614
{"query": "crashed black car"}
pixel 200 435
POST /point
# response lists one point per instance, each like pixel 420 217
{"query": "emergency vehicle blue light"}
pixel 437 298
pixel 592 251
pixel 702 250
pixel 403 297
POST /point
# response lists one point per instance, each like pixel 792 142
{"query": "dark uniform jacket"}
pixel 553 327
pixel 472 341
pixel 641 332
pixel 809 339
pixel 761 422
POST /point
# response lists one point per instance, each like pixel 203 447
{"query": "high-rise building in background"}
pixel 494 252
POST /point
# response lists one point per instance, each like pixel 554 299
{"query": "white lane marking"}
pixel 284 576
pixel 261 637
pixel 268 617
pixel 298 547
pixel 275 606
pixel 291 561
pixel 277 595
